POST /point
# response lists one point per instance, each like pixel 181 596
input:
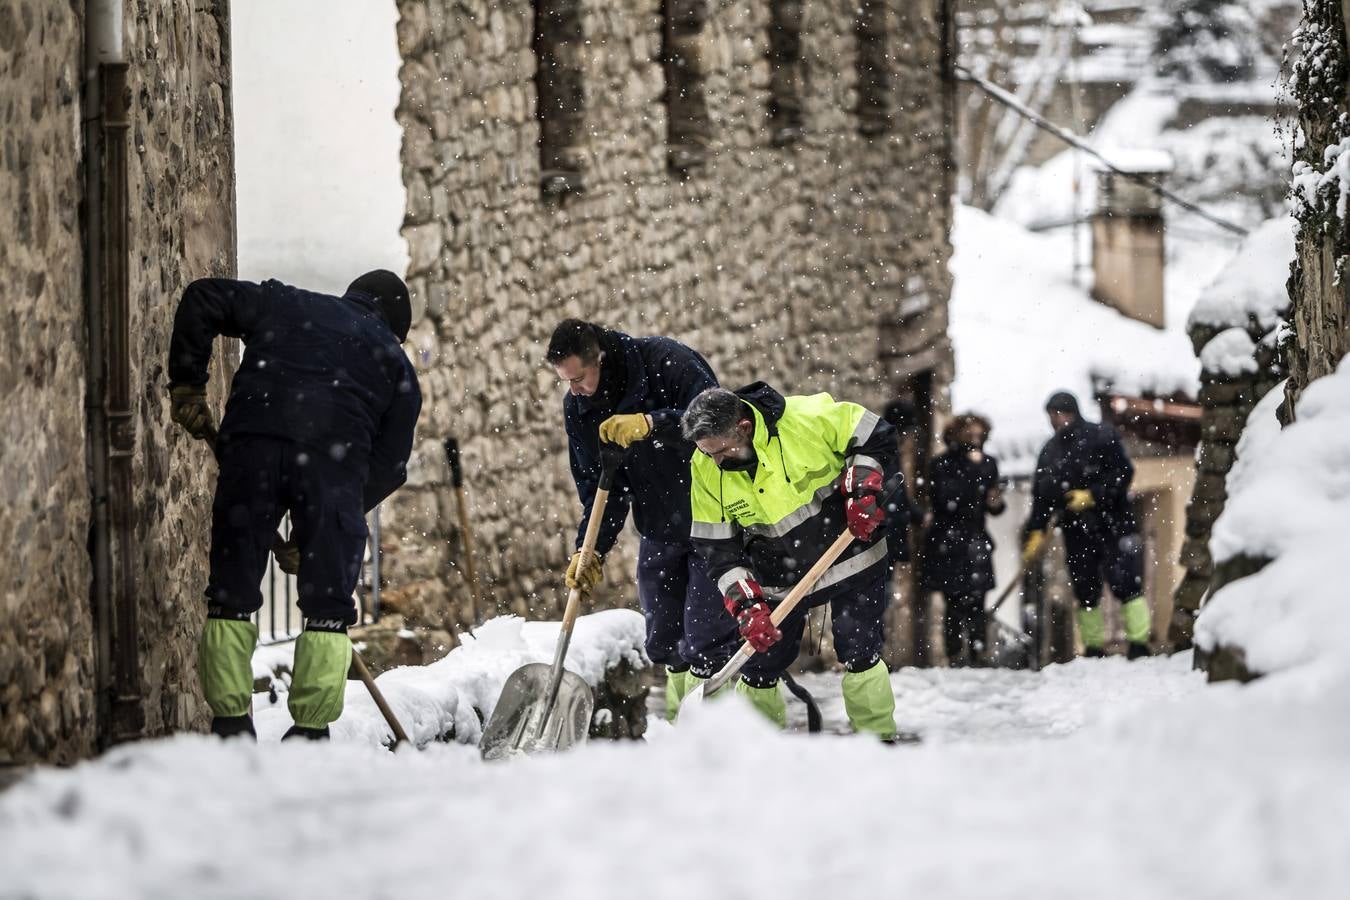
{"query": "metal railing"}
pixel 280 619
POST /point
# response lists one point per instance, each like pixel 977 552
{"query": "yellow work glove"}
pixel 1032 548
pixel 287 554
pixel 189 410
pixel 1079 500
pixel 584 578
pixel 625 429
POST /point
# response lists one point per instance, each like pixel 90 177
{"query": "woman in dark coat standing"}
pixel 958 551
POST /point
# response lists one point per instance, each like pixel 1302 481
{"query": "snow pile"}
pixel 1252 286
pixel 1023 330
pixel 1230 353
pixel 431 700
pixel 1288 501
pixel 1104 778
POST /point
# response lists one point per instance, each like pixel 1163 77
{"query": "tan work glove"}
pixel 1032 548
pixel 287 554
pixel 626 428
pixel 1078 500
pixel 189 410
pixel 584 578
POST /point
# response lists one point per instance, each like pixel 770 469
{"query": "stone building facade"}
pixel 788 220
pixel 54 649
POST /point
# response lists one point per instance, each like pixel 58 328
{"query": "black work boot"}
pixel 233 726
pixel 1138 650
pixel 1094 651
pixel 313 734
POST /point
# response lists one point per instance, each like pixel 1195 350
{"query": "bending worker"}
pixel 632 391
pixel 1084 473
pixel 319 423
pixel 777 480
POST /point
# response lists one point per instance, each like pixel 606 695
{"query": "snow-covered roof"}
pixel 1288 501
pixel 1253 283
pixel 1022 329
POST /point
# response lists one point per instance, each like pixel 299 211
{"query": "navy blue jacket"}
pixel 1084 456
pixel 663 376
pixel 324 372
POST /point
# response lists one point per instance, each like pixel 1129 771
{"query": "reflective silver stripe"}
pixel 867 461
pixel 726 581
pixel 713 531
pixel 866 425
pixel 797 516
pixel 839 571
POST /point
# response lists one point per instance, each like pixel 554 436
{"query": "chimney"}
pixel 1127 236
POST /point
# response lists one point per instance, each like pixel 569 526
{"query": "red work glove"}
pixel 745 602
pixel 861 487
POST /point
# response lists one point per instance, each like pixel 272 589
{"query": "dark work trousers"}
pixel 856 615
pixel 1098 555
pixel 261 478
pixel 964 616
pixel 684 612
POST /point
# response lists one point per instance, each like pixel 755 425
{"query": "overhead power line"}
pixel 1074 140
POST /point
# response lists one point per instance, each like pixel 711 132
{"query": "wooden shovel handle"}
pixel 587 551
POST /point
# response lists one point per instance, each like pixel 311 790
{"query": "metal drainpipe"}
pixel 111 422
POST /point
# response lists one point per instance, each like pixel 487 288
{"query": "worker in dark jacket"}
pixel 631 392
pixel 958 551
pixel 319 423
pixel 776 482
pixel 1084 474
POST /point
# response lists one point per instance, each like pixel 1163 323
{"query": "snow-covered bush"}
pixel 1289 503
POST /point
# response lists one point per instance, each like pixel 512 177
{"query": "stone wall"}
pixel 820 265
pixel 1228 394
pixel 46 652
pixel 181 227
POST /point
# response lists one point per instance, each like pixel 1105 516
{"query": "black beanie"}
pixel 392 295
pixel 1062 402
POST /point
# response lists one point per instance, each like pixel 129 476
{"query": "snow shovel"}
pixel 545 707
pixel 794 597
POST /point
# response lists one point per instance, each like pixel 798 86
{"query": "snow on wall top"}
pixel 1288 501
pixel 1231 353
pixel 1253 284
pixel 1022 330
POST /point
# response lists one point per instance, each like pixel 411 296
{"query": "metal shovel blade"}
pixel 515 725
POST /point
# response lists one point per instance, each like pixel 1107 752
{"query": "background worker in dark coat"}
pixel 958 551
pixel 1084 474
pixel 319 423
pixel 632 391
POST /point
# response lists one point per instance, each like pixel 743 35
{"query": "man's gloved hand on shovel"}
pixel 745 602
pixel 861 487
pixel 585 578
pixel 190 411
pixel 626 428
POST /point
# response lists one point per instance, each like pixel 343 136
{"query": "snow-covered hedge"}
pixel 1289 503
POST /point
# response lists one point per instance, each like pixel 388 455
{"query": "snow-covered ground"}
pixel 1100 779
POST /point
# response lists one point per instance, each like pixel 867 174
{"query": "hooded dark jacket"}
pixel 323 372
pixel 659 377
pixel 773 524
